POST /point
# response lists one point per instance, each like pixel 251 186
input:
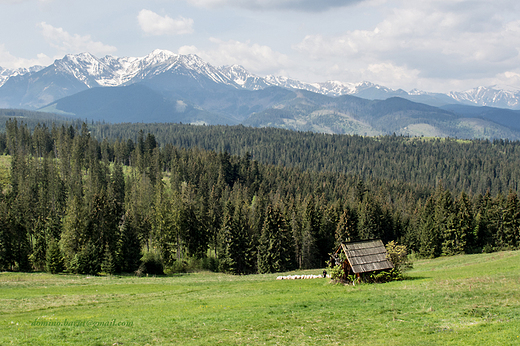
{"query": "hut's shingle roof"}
pixel 367 256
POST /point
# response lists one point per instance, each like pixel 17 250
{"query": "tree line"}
pixel 473 166
pixel 76 203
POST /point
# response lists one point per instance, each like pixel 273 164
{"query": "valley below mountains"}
pixel 166 87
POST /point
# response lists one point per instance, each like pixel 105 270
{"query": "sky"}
pixel 430 45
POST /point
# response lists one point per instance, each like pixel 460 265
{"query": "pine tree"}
pixel 233 238
pixel 195 234
pixel 214 218
pixel 326 235
pixel 445 219
pixel 225 241
pixel 109 265
pixel 128 248
pixel 88 260
pixel 102 227
pixel 74 235
pixel 241 230
pixel 310 228
pixel 429 235
pixel 296 215
pixel 346 228
pixel 508 235
pixel 116 189
pixel 6 241
pixel 464 224
pixel 39 245
pixel 168 225
pixel 275 252
pixel 139 206
pixel 256 219
pixel 21 247
pixel 370 219
pixel 54 258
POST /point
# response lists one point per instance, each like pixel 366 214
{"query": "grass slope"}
pixel 462 300
pixel 5 165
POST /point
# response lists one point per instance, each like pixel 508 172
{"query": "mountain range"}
pixel 168 87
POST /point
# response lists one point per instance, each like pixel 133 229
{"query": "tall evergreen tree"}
pixel 310 228
pixel 508 235
pixel 227 242
pixel 6 238
pixel 346 227
pixel 128 248
pixel 370 218
pixel 73 237
pixel 53 258
pixel 275 251
pixel 429 235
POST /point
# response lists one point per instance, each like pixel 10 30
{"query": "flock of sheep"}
pixel 295 277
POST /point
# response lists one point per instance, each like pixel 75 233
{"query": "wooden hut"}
pixel 362 257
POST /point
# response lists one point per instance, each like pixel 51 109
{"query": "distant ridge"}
pixel 167 87
pixel 77 72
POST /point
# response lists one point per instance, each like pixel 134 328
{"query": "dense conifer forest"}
pixel 472 166
pixel 111 198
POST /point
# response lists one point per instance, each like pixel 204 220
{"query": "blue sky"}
pixel 432 45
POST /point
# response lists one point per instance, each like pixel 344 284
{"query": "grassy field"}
pixel 461 300
pixel 5 164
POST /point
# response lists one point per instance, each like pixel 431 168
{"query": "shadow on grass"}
pixel 414 278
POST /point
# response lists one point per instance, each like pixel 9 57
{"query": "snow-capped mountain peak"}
pixel 86 68
pixel 337 88
pixel 488 96
pixel 111 71
pixel 243 78
pixel 6 73
pixel 158 57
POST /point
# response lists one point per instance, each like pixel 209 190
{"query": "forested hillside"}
pixel 106 205
pixel 32 118
pixel 472 166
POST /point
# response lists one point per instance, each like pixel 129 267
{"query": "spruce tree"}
pixel 275 252
pixel 54 258
pixel 508 235
pixel 128 248
pixel 74 234
pixel 310 228
pixel 6 249
pixel 109 264
pixel 370 218
pixel 445 218
pixel 465 224
pixel 39 246
pixel 226 258
pixel 483 230
pixel 346 228
pixel 196 235
pixel 429 235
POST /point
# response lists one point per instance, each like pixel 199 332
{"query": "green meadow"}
pixel 460 300
pixel 5 164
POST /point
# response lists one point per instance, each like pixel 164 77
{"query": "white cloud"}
pixel 391 73
pixel 7 60
pixel 20 1
pixel 186 50
pixel 66 43
pixel 254 57
pixel 298 5
pixel 435 39
pixel 153 24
